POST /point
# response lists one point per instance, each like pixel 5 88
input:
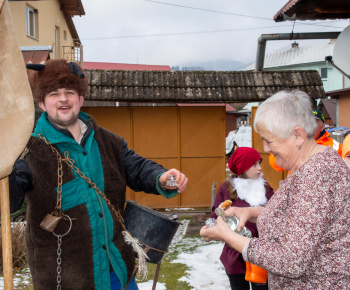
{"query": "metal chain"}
pixel 58 208
pixel 59 261
pixel 59 252
pixel 70 162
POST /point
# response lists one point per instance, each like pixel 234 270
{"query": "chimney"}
pixel 295 44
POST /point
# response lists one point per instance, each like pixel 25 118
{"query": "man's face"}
pixel 63 107
pixel 319 128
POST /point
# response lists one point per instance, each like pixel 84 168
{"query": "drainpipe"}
pixel 260 55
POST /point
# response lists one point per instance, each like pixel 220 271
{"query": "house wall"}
pixel 332 83
pixel 49 16
pixel 191 139
pixel 343 110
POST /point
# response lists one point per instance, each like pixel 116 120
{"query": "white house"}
pixel 310 57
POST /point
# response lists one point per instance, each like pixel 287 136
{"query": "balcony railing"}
pixel 74 53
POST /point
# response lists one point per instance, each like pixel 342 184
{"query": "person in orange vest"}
pixel 346 149
pixel 321 137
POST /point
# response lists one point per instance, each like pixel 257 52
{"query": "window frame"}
pixel 31 22
pixel 324 69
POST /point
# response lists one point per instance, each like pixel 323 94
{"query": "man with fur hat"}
pixel 79 176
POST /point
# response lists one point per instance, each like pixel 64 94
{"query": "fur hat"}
pixel 56 74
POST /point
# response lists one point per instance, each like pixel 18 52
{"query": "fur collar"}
pixel 251 190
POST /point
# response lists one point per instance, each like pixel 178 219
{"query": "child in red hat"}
pixel 245 187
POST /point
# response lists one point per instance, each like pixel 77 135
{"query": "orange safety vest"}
pixel 327 141
pixel 323 140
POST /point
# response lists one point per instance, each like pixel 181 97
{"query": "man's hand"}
pixel 181 180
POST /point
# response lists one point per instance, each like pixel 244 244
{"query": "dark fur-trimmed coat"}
pixel 121 167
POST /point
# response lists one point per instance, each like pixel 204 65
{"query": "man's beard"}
pixel 65 123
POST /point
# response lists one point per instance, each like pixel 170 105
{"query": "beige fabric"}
pixel 16 100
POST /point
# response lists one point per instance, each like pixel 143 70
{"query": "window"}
pixel 65 35
pixel 324 73
pixel 31 22
pixel 57 42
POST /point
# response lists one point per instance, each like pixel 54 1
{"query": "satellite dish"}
pixel 341 56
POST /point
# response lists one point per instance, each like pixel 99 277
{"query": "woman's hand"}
pixel 244 214
pixel 222 232
pixel 217 232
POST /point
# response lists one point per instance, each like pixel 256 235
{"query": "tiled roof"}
pixel 124 66
pixel 198 86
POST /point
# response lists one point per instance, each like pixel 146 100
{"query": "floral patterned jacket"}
pixel 304 229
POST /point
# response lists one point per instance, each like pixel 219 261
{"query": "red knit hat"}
pixel 242 159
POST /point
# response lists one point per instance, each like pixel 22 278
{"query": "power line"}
pixel 207 10
pixel 188 33
pixel 228 13
pixel 178 33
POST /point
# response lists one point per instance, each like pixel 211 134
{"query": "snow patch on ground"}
pixel 203 259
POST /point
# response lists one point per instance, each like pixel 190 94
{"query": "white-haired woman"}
pixel 304 232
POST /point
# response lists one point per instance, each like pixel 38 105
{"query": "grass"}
pixel 169 273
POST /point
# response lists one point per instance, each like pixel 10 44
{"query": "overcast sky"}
pixel 180 32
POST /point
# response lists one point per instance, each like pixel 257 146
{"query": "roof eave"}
pixel 69 9
pixel 313 10
pixel 72 7
pixel 72 28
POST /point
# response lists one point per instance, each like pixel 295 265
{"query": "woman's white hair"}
pixel 285 110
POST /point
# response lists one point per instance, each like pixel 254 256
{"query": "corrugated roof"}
pixel 313 10
pixel 124 66
pixel 298 55
pixel 198 86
